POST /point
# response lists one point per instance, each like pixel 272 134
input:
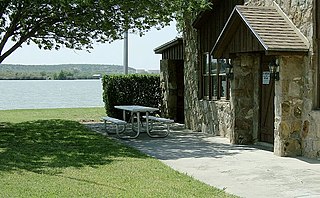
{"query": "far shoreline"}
pixel 52 79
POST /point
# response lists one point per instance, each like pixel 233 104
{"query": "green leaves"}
pixel 130 90
pixel 77 24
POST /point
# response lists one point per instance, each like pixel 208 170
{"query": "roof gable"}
pixel 172 50
pixel 170 44
pixel 268 27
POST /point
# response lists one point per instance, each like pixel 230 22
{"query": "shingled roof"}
pixel 269 27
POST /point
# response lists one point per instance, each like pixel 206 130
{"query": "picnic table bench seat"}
pixel 114 120
pixel 161 120
pixel 117 123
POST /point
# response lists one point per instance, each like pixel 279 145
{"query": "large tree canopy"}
pixel 77 23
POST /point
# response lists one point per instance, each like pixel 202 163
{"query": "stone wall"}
pixel 301 134
pixel 171 82
pixel 238 120
pixel 297 124
pixel 297 130
pixel 212 117
pixel 169 89
pixel 311 135
pixel 245 99
pixel 289 106
pixel 192 111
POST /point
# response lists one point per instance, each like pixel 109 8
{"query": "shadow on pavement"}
pixel 181 143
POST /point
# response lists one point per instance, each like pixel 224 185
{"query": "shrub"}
pixel 130 89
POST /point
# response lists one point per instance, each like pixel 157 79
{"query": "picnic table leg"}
pixel 127 137
pixel 117 131
pixel 124 115
pixel 149 124
pixel 147 121
pixel 156 136
pixel 132 126
pixel 132 121
pixel 138 120
pixel 105 127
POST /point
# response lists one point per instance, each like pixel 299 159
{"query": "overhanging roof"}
pixel 160 49
pixel 269 26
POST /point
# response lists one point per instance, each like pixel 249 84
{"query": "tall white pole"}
pixel 125 53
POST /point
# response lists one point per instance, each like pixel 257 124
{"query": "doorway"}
pixel 172 82
pixel 180 91
pixel 267 102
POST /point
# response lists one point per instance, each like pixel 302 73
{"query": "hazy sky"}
pixel 141 54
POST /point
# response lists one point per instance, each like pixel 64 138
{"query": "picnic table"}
pixel 135 112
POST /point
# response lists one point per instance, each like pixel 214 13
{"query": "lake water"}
pixel 39 94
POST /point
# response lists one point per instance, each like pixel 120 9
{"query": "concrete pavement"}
pixel 245 171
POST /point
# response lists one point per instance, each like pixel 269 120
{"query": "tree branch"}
pixel 12 49
pixel 12 28
pixel 20 42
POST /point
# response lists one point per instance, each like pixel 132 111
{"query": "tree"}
pixel 76 24
pixel 62 76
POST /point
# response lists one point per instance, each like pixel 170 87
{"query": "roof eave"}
pixel 282 51
pixel 229 25
pixel 302 37
pixel 224 37
pixel 167 45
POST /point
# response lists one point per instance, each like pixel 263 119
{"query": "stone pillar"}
pixel 169 88
pixel 289 106
pixel 193 116
pixel 243 91
pixel 311 135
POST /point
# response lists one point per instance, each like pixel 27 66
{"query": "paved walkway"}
pixel 241 170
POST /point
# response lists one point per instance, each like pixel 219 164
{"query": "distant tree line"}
pixel 57 72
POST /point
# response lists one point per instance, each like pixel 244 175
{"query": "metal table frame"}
pixel 137 109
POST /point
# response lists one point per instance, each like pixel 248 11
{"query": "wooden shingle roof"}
pixel 268 27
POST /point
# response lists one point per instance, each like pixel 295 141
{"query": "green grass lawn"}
pixel 76 114
pixel 62 158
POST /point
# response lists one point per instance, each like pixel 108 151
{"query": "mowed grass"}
pixel 62 158
pixel 75 114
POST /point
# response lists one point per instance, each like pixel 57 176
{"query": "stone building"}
pixel 172 81
pixel 230 89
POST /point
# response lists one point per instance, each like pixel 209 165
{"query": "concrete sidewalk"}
pixel 241 170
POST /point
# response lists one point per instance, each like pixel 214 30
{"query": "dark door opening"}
pixel 180 92
pixel 267 103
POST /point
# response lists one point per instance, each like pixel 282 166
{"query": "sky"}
pixel 141 54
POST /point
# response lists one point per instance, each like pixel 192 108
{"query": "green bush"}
pixel 130 89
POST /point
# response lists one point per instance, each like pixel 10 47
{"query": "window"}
pixel 215 83
pixel 206 75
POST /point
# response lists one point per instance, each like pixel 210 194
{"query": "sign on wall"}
pixel 266 78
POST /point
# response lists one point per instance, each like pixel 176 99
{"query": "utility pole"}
pixel 125 53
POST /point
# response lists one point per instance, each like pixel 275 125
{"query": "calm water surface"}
pixel 39 94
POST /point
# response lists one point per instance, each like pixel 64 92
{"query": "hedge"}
pixel 133 89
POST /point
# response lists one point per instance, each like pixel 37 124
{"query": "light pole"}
pixel 125 52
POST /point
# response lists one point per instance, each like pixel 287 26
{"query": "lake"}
pixel 40 94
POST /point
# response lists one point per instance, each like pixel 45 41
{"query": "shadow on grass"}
pixel 47 145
